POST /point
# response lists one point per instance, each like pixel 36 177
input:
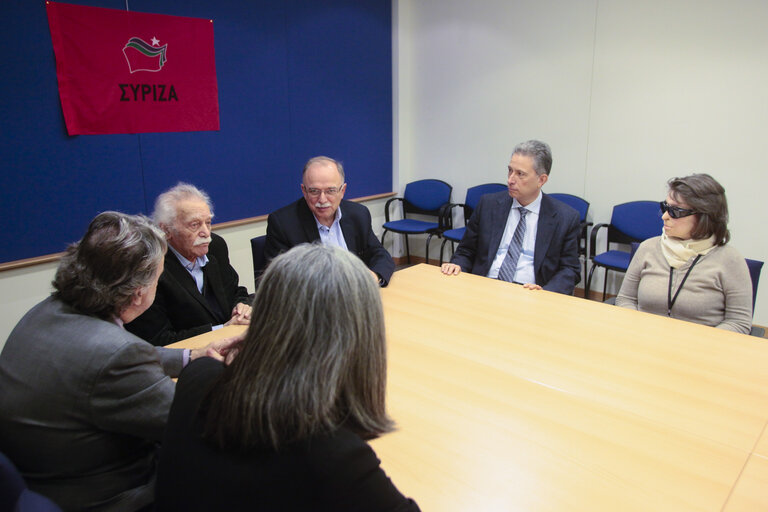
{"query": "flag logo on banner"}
pixel 100 94
pixel 142 56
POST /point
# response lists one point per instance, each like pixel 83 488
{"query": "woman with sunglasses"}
pixel 689 272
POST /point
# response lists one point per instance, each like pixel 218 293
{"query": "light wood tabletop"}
pixel 512 399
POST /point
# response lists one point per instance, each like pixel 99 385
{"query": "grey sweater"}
pixel 718 291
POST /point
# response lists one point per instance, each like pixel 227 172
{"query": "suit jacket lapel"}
pixel 175 269
pixel 308 222
pixel 544 231
pixel 213 278
pixel 499 217
pixel 348 230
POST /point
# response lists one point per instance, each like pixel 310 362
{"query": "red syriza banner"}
pixel 131 72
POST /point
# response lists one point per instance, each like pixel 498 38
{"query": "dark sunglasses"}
pixel 674 211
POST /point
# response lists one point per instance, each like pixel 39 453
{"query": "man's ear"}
pixel 543 179
pixel 138 296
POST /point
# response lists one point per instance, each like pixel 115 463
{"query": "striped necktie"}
pixel 509 265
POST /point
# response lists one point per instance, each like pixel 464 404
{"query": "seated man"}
pixel 323 215
pixel 84 403
pixel 541 251
pixel 199 290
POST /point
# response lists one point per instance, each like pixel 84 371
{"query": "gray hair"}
pixel 118 255
pixel 326 160
pixel 539 151
pixel 166 204
pixel 313 359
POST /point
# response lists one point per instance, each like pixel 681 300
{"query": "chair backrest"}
pixel 575 202
pixel 259 261
pixel 426 196
pixel 635 221
pixel 754 272
pixel 475 193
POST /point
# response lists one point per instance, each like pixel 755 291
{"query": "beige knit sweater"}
pixel 718 291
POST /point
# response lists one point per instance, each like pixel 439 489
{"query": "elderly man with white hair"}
pixel 199 290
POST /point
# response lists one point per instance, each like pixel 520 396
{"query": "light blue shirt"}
pixel 525 272
pixel 195 268
pixel 332 235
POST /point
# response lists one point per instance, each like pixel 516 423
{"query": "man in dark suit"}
pixel 322 215
pixel 198 290
pixel 83 403
pixel 546 253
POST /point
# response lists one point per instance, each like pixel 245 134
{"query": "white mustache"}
pixel 326 204
pixel 201 241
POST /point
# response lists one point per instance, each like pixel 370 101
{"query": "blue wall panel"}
pixel 296 79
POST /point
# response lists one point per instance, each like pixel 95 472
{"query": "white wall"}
pixel 23 288
pixel 627 93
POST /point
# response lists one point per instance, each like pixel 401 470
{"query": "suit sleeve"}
pixel 154 325
pixel 375 256
pixel 466 252
pixel 352 478
pixel 569 268
pixel 276 241
pixel 229 277
pixel 131 394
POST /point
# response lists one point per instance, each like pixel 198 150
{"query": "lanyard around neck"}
pixel 671 300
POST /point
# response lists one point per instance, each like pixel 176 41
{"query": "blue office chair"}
pixel 630 222
pixel 470 203
pixel 423 197
pixel 14 494
pixel 581 206
pixel 754 267
pixel 259 261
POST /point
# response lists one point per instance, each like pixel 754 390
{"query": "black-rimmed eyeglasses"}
pixel 675 211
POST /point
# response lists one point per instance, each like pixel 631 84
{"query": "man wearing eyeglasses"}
pixel 323 216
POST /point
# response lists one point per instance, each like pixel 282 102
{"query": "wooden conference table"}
pixel 510 399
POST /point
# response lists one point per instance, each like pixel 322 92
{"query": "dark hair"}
pixel 539 151
pixel 313 359
pixel 118 254
pixel 707 197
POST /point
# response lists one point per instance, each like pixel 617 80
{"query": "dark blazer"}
pixel 295 224
pixel 556 256
pixel 179 310
pixel 332 472
pixel 83 404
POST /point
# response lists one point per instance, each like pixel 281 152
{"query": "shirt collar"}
pixel 199 262
pixel 336 220
pixel 533 207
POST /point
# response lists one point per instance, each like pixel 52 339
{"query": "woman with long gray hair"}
pixel 282 427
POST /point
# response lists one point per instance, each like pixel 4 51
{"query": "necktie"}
pixel 509 265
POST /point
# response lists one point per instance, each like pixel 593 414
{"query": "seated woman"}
pixel 282 427
pixel 689 272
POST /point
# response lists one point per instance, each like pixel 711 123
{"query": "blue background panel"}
pixel 296 79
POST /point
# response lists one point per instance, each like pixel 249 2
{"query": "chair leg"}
pixel 589 281
pixel 426 253
pixel 442 246
pixel 407 250
pixel 605 283
pixel 382 236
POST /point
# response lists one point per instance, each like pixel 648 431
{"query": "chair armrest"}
pixel 593 239
pixel 445 217
pixel 446 214
pixel 386 207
